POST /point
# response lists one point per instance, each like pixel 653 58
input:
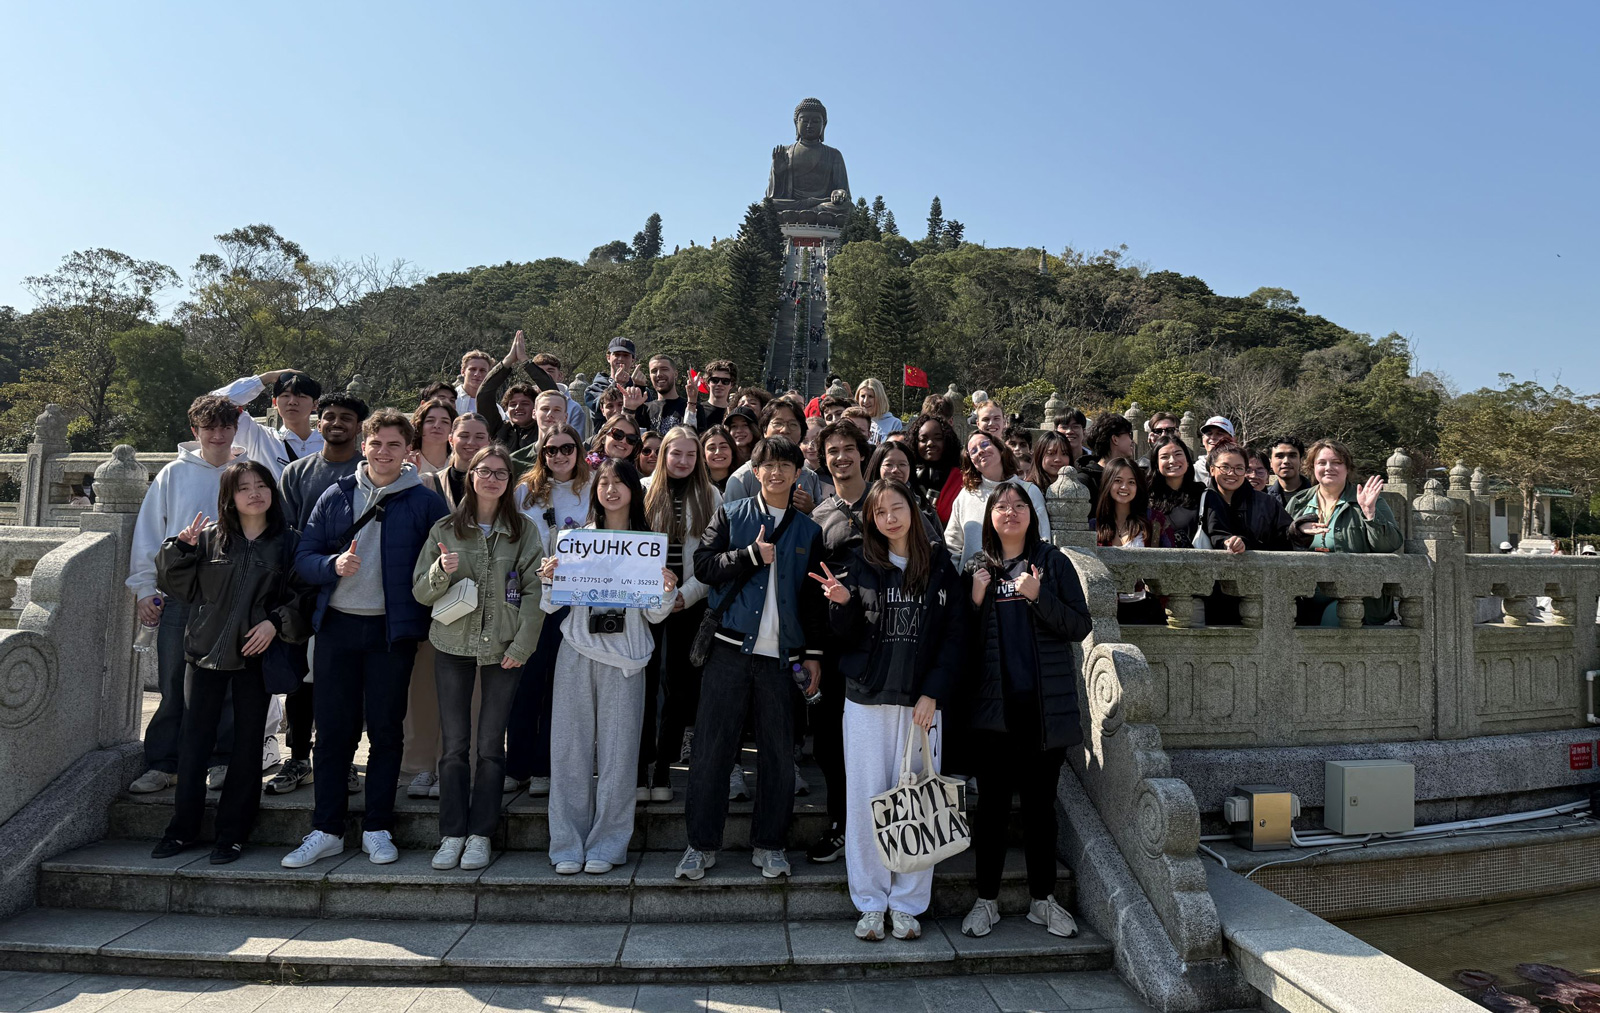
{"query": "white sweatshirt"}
pixel 269 446
pixel 629 650
pixel 963 536
pixel 181 489
pixel 568 500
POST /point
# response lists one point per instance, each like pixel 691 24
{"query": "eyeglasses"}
pixel 1229 469
pixel 632 438
pixel 498 474
pixel 559 449
pixel 1010 507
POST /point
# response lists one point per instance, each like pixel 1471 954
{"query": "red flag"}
pixel 698 382
pixel 916 378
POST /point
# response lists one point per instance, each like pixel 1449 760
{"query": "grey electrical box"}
pixel 1369 796
pixel 1268 811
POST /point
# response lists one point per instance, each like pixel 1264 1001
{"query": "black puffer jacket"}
pixel 1254 516
pixel 1060 619
pixel 869 678
pixel 231 591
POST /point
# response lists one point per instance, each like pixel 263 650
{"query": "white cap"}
pixel 1505 546
pixel 1219 422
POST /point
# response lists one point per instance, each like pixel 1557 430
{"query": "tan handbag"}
pixel 918 823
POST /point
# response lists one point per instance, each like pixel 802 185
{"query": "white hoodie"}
pixel 183 488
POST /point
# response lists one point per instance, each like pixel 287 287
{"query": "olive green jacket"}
pixel 496 630
pixel 1348 529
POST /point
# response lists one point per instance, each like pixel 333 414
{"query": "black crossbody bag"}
pixel 711 622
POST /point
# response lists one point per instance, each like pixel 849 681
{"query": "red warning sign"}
pixel 1580 755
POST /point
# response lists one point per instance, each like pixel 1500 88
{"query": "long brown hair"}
pixel 1105 507
pixel 697 496
pixel 228 524
pixel 538 481
pixel 875 545
pixel 464 519
pixel 971 478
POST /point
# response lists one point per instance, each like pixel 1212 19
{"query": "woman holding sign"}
pixel 1027 612
pixel 484 540
pixel 597 703
pixel 679 503
pixel 896 611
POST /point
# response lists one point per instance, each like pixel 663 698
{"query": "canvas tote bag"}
pixel 918 823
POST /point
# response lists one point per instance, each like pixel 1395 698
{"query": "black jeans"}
pixel 669 669
pixel 827 738
pixel 528 731
pixel 163 737
pixel 299 712
pixel 732 679
pixel 359 674
pixel 205 692
pixel 469 800
pixel 1003 765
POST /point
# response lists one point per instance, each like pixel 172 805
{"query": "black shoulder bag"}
pixel 711 622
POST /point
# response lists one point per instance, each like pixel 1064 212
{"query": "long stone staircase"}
pixel 109 907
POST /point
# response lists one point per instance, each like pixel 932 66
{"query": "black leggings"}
pixel 1003 765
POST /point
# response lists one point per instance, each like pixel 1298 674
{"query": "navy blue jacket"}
pixel 727 553
pixel 408 516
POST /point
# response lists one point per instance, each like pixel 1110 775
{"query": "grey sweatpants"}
pixel 595 715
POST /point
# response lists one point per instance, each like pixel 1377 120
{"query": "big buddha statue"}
pixel 809 175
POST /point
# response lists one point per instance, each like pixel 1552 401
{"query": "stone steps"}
pixel 516 887
pixel 286 949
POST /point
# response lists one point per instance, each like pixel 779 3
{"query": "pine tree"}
pixel 935 221
pixel 860 226
pixel 742 324
pixel 879 209
pixel 889 227
pixel 892 328
pixel 647 244
pixel 953 233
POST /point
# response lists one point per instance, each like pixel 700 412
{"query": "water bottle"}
pixel 144 638
pixel 802 679
pixel 513 589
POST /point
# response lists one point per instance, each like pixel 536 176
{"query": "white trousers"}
pixel 596 714
pixel 874 742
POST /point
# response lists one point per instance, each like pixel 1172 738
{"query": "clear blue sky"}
pixel 1414 167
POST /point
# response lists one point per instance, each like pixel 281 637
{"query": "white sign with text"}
pixel 609 568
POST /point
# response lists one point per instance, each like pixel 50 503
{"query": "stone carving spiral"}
pixel 27 682
pixel 1152 823
pixel 1105 695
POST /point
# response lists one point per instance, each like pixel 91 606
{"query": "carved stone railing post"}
pixel 1397 490
pixel 1054 408
pixel 358 387
pixel 1067 502
pixel 1461 493
pixel 1482 508
pixel 1137 416
pixel 1433 534
pixel 119 488
pixel 49 440
pixel 1514 608
pixel 958 414
pixel 1189 433
pixel 579 383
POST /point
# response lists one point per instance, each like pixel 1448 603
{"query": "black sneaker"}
pixel 289 777
pixel 352 784
pixel 222 854
pixel 828 847
pixel 167 847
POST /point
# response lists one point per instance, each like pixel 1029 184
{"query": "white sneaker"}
pixel 153 780
pixel 538 786
pixel 1052 916
pixel 905 926
pixel 314 846
pixel 738 791
pixel 215 777
pixel 477 853
pixel 870 927
pixel 568 868
pixel 641 794
pixel 981 920
pixel 418 788
pixel 379 846
pixel 509 785
pixel 449 854
pixel 271 753
pixel 661 794
pixel 596 867
pixel 693 864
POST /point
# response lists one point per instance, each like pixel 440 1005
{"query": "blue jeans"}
pixel 731 680
pixel 164 737
pixel 359 673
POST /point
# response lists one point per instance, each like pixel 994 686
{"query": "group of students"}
pixel 308 563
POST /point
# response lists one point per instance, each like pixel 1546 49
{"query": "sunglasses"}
pixel 1164 431
pixel 719 379
pixel 650 451
pixel 560 449
pixel 632 438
